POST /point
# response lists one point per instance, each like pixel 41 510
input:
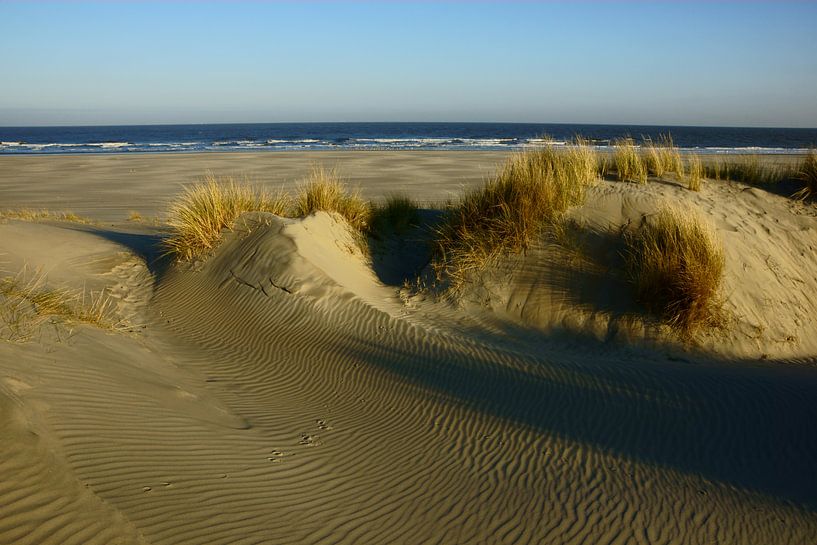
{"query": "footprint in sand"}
pixel 309 440
pixel 276 456
pixel 322 425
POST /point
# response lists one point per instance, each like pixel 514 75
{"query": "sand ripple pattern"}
pixel 484 443
pixel 251 414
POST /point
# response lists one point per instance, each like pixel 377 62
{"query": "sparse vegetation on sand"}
pixel 26 302
pixel 28 214
pixel 396 216
pixel 749 170
pixel 628 163
pixel 202 211
pixel 695 173
pixel 676 262
pixel 324 190
pixel 662 157
pixel 532 191
pixel 807 174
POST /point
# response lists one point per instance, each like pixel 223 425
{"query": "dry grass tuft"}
pixel 26 303
pixel 396 216
pixel 676 262
pixel 628 163
pixel 199 215
pixel 135 216
pixel 531 192
pixel 695 173
pixel 662 157
pixel 324 190
pixel 807 173
pixel 653 159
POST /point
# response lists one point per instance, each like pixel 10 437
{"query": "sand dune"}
pixel 282 393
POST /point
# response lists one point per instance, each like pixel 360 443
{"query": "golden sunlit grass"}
pixel 324 190
pixel 653 159
pixel 695 173
pixel 662 157
pixel 531 192
pixel 27 302
pixel 199 215
pixel 627 162
pixel 676 262
pixel 807 174
pixel 749 170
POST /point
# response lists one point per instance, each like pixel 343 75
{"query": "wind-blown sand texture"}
pixel 283 391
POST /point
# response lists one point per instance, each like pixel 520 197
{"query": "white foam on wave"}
pixel 371 143
pixel 111 145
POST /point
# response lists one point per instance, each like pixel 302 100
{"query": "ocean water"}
pixel 384 136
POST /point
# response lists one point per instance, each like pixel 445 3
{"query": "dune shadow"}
pixel 147 245
pixel 400 257
pixel 739 423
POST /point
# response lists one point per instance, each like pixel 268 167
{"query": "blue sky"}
pixel 731 63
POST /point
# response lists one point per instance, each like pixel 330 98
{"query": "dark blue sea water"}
pixel 382 136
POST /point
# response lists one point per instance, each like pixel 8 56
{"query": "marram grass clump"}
pixel 324 190
pixel 676 262
pixel 531 192
pixel 807 174
pixel 662 157
pixel 628 163
pixel 199 215
pixel 395 217
pixel 695 173
pixel 653 159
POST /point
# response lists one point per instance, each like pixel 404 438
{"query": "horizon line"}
pixel 170 124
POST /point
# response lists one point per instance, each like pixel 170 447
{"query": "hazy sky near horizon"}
pixel 685 63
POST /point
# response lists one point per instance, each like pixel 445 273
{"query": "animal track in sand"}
pixel 309 440
pixel 277 456
pixel 322 425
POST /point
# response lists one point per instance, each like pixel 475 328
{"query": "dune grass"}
pixel 30 214
pixel 662 157
pixel 27 302
pixel 199 215
pixel 807 174
pixel 749 170
pixel 695 173
pixel 676 263
pixel 628 163
pixel 653 159
pixel 396 216
pixel 324 190
pixel 531 192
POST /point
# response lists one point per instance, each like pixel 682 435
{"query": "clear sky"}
pixel 731 63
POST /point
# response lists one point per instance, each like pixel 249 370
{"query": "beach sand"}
pixel 288 390
pixel 108 187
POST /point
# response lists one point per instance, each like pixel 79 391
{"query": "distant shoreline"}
pixel 389 137
pixel 107 186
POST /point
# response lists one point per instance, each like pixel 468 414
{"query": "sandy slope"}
pixel 281 393
pixel 770 290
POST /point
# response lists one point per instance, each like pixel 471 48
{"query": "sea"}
pixel 272 137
